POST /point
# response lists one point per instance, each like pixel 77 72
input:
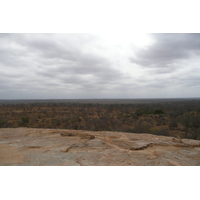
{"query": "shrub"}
pixel 25 120
pixel 156 131
pixel 173 124
pixel 158 111
pixel 191 122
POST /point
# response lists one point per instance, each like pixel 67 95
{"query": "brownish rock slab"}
pixel 60 147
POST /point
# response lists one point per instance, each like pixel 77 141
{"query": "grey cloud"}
pixel 85 64
pixel 189 80
pixel 167 50
pixel 50 62
pixel 72 66
pixel 59 46
pixel 84 75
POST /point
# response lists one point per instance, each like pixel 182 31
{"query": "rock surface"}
pixel 60 147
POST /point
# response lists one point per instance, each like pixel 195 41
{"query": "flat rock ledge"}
pixel 63 147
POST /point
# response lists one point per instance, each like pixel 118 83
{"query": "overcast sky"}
pixel 68 66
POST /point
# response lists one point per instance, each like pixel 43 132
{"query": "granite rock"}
pixel 60 147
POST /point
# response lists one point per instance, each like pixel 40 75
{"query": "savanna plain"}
pixel 142 132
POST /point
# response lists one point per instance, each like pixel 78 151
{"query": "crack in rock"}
pixel 82 136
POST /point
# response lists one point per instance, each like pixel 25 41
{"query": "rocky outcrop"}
pixel 59 147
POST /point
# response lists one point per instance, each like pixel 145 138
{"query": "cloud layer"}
pixel 167 50
pixel 87 66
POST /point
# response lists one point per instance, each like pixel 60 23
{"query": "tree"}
pixel 25 120
pixel 173 124
pixel 192 124
pixel 158 111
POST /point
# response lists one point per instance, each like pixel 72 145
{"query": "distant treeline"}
pixel 95 101
pixel 171 118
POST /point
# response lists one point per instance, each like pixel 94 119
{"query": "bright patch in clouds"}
pixel 125 39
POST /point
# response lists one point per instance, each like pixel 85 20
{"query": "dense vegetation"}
pixel 172 118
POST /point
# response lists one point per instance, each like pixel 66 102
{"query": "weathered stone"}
pixel 31 147
pixel 67 134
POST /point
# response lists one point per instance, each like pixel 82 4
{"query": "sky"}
pixel 99 65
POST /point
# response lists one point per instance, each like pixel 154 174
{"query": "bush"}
pixel 25 120
pixel 156 131
pixel 173 125
pixel 158 111
pixel 163 131
pixel 153 130
pixel 140 129
pixel 191 122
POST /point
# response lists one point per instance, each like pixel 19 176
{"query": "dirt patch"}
pixel 10 154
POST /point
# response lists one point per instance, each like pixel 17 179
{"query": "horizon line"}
pixel 104 98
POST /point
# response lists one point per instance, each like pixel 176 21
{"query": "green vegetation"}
pixel 191 122
pixel 25 120
pixel 178 118
pixel 159 111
